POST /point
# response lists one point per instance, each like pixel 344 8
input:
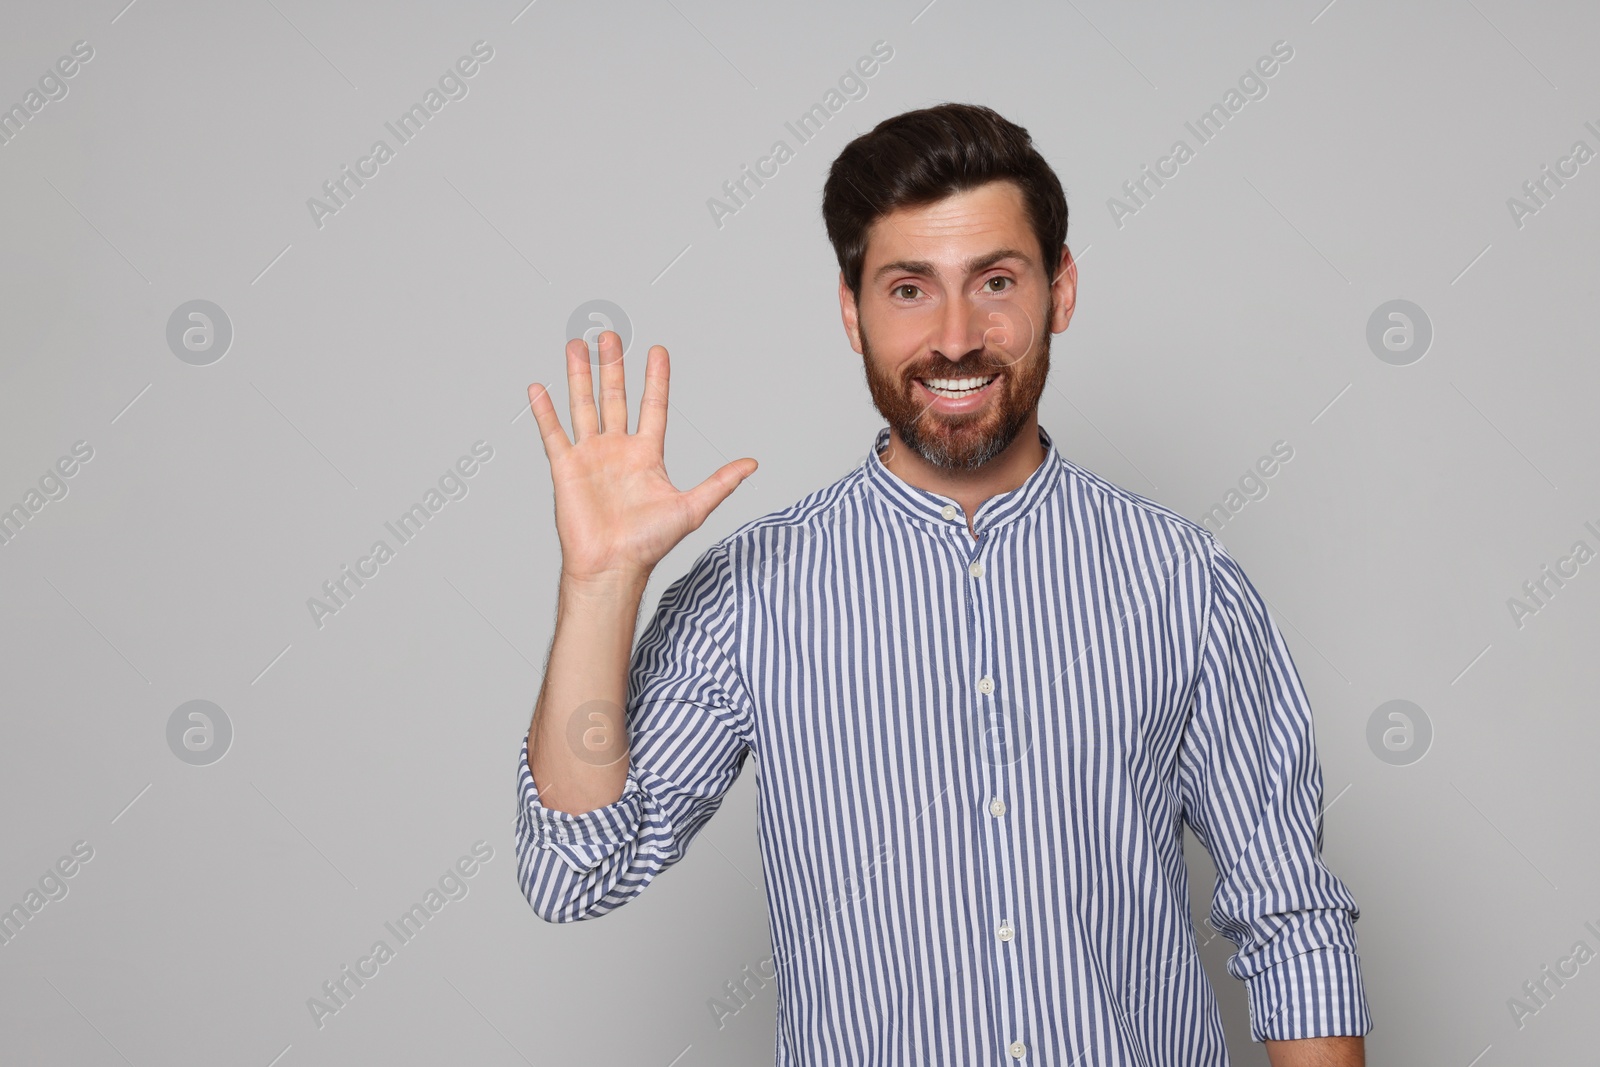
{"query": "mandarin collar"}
pixel 942 511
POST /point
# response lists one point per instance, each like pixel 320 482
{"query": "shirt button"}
pixel 949 511
pixel 997 807
pixel 1005 932
pixel 975 569
pixel 986 685
pixel 1017 1050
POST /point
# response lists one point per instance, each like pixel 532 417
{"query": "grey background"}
pixel 369 754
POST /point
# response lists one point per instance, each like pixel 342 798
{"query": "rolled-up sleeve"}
pixel 1251 789
pixel 689 721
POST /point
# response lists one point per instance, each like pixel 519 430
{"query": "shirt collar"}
pixel 939 510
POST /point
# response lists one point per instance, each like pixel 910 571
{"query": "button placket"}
pixel 999 843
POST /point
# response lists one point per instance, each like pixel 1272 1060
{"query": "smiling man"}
pixel 985 689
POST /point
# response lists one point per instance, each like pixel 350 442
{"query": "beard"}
pixel 969 440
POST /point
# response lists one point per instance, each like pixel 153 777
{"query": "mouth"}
pixel 956 387
pixel 957 394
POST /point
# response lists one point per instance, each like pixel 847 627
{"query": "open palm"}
pixel 617 512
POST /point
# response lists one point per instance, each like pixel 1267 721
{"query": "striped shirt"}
pixel 975 759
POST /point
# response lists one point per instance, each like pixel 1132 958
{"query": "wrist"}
pixel 604 584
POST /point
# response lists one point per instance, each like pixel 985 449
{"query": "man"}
pixel 985 688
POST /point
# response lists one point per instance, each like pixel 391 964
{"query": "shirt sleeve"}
pixel 689 721
pixel 1251 789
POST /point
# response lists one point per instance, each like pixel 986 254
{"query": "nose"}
pixel 992 330
pixel 960 330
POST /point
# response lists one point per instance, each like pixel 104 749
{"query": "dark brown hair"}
pixel 919 157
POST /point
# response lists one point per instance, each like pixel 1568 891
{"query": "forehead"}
pixel 947 232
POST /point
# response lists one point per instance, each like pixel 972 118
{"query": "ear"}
pixel 850 314
pixel 1063 291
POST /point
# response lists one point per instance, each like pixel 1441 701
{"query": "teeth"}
pixel 957 384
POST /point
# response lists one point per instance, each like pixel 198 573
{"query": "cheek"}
pixel 899 336
pixel 892 372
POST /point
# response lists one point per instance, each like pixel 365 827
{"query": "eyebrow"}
pixel 973 265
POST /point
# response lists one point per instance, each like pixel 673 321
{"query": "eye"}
pixel 1010 283
pixel 900 291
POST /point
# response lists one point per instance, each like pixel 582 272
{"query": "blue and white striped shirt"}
pixel 975 760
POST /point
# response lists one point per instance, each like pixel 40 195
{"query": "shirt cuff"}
pixel 1313 994
pixel 583 841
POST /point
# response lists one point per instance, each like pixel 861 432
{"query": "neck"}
pixel 969 488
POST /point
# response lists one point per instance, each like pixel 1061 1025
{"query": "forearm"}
pixel 1318 1052
pixel 577 742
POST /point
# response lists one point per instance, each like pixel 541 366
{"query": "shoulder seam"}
pixel 811 507
pixel 1154 508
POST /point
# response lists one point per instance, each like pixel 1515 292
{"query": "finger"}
pixel 613 385
pixel 653 405
pixel 580 390
pixel 550 431
pixel 704 498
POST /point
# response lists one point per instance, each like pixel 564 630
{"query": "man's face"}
pixel 954 322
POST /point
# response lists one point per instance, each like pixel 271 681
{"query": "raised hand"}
pixel 617 512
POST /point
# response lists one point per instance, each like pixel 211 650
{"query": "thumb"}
pixel 704 498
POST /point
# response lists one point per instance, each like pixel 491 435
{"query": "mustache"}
pixel 975 370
